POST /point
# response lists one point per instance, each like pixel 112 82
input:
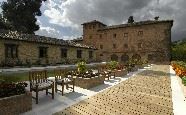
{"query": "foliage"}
pixel 112 65
pixel 21 15
pixel 11 89
pixel 179 68
pixel 81 67
pixel 184 80
pixel 178 50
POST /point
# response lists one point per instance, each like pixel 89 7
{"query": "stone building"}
pixel 145 39
pixel 27 49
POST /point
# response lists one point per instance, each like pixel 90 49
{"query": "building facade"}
pixel 24 49
pixel 142 40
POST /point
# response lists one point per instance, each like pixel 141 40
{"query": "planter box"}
pixel 120 73
pixel 87 83
pixel 15 105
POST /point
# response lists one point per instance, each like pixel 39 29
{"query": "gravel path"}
pixel 147 93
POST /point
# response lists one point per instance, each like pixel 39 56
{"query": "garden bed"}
pixel 14 105
pixel 88 83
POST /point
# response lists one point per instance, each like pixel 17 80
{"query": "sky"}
pixel 63 18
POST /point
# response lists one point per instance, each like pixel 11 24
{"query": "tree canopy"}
pixel 21 15
pixel 179 50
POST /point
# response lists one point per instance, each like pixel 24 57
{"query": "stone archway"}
pixel 124 58
pixel 114 57
pixel 136 57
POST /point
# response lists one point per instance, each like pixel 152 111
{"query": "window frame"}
pixel 79 54
pixel 13 51
pixel 45 52
pixel 90 54
pixel 64 52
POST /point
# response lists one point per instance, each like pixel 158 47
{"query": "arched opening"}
pixel 124 58
pixel 114 57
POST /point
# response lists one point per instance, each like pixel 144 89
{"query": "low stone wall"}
pixel 87 83
pixel 15 105
pixel 120 73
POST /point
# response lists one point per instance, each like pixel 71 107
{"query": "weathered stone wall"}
pixel 155 40
pixel 28 52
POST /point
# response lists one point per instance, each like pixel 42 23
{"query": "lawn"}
pixel 19 77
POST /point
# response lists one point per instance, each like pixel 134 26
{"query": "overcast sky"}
pixel 63 18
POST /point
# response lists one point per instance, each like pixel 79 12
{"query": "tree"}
pixel 21 14
pixel 131 20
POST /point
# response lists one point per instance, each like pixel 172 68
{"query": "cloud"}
pixel 72 13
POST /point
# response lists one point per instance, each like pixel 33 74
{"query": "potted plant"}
pixel 14 99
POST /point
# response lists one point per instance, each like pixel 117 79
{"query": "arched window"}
pixel 114 57
pixel 124 58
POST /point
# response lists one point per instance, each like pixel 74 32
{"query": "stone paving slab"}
pixel 147 93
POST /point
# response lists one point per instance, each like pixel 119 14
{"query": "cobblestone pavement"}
pixel 147 93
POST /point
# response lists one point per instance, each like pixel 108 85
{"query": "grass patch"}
pixel 184 80
pixel 19 77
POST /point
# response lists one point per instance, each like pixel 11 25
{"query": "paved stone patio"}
pixel 154 91
pixel 148 92
pixel 47 106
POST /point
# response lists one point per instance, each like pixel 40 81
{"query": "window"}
pixel 125 45
pixel 139 45
pixel 114 35
pixel 101 54
pixel 101 46
pixel 79 53
pixel 90 37
pixel 125 34
pixel 90 54
pixel 43 52
pixel 100 36
pixel 140 33
pixel 63 53
pixel 89 26
pixel 94 26
pixel 114 46
pixel 11 51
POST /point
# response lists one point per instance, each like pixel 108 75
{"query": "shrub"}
pixel 112 65
pixel 81 67
pixel 11 89
pixel 184 80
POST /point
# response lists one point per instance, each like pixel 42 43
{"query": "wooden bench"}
pixel 39 82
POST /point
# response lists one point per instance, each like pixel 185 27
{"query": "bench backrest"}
pixel 38 76
pixel 60 73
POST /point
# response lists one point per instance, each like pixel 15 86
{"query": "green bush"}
pixel 112 65
pixel 82 68
pixel 184 80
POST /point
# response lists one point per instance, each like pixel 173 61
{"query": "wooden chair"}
pixel 62 78
pixel 39 82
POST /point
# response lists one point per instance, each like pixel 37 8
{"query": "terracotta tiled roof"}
pixel 14 35
pixel 135 24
